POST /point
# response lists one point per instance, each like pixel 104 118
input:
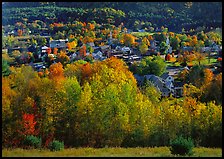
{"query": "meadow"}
pixel 110 152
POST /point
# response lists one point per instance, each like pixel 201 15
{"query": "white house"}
pixel 61 43
pixel 126 50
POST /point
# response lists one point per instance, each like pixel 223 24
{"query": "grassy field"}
pixel 115 152
pixel 141 34
pixel 203 62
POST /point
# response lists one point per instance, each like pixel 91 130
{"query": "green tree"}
pixel 5 68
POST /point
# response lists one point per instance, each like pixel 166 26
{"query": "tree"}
pixel 127 39
pixel 163 47
pixel 82 51
pixel 5 68
pixel 175 43
pixel 63 58
pixel 199 57
pixel 143 48
pixel 150 65
pixel 151 92
pixel 55 51
pixel 146 41
pixel 56 71
pixel 48 50
pixel 20 32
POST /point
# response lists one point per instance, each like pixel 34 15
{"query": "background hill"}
pixel 174 15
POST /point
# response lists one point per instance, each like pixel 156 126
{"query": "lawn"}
pixel 141 34
pixel 203 62
pixel 115 152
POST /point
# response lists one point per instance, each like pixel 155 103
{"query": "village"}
pixel 166 83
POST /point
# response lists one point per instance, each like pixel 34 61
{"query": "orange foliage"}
pixel 56 71
pixel 40 74
pixel 128 39
pixel 63 58
pixel 86 71
pixel 55 51
pixel 69 46
pixel 90 26
pixel 168 57
pixel 20 32
pixel 208 76
pixel 48 50
pixel 29 124
pixel 82 51
pixel 219 59
pixel 87 39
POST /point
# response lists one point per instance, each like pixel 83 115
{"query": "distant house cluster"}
pixel 165 84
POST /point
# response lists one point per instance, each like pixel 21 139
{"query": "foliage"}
pixel 127 39
pixel 56 145
pixel 150 65
pixel 56 71
pixel 181 146
pixel 31 141
pixel 5 68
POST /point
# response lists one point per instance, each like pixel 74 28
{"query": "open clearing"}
pixel 101 152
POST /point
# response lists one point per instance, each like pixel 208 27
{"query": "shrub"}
pixel 181 146
pixel 31 141
pixel 56 145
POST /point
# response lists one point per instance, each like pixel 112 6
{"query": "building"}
pixel 60 44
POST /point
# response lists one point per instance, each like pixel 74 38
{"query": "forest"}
pixel 173 15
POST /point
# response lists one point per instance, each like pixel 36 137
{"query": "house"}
pixel 43 50
pixel 91 44
pixel 166 77
pixel 134 58
pixel 178 89
pixel 98 55
pixel 215 47
pixel 166 88
pixel 205 49
pixel 141 30
pixel 60 44
pixel 126 50
pixel 139 79
pixel 187 48
pixel 105 48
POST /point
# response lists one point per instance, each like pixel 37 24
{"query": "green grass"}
pixel 203 62
pixel 115 152
pixel 206 61
pixel 141 34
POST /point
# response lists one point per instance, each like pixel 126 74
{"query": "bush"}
pixel 181 146
pixel 32 142
pixel 56 145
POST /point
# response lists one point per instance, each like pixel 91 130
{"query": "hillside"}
pixel 135 15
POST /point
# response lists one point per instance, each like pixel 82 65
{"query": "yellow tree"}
pixel 143 48
pixel 63 58
pixel 146 41
pixel 127 39
pixel 199 57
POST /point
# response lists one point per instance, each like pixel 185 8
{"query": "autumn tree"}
pixel 82 51
pixel 56 71
pixel 20 32
pixel 127 39
pixel 48 50
pixel 62 58
pixel 143 47
pixel 55 51
pixel 199 57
